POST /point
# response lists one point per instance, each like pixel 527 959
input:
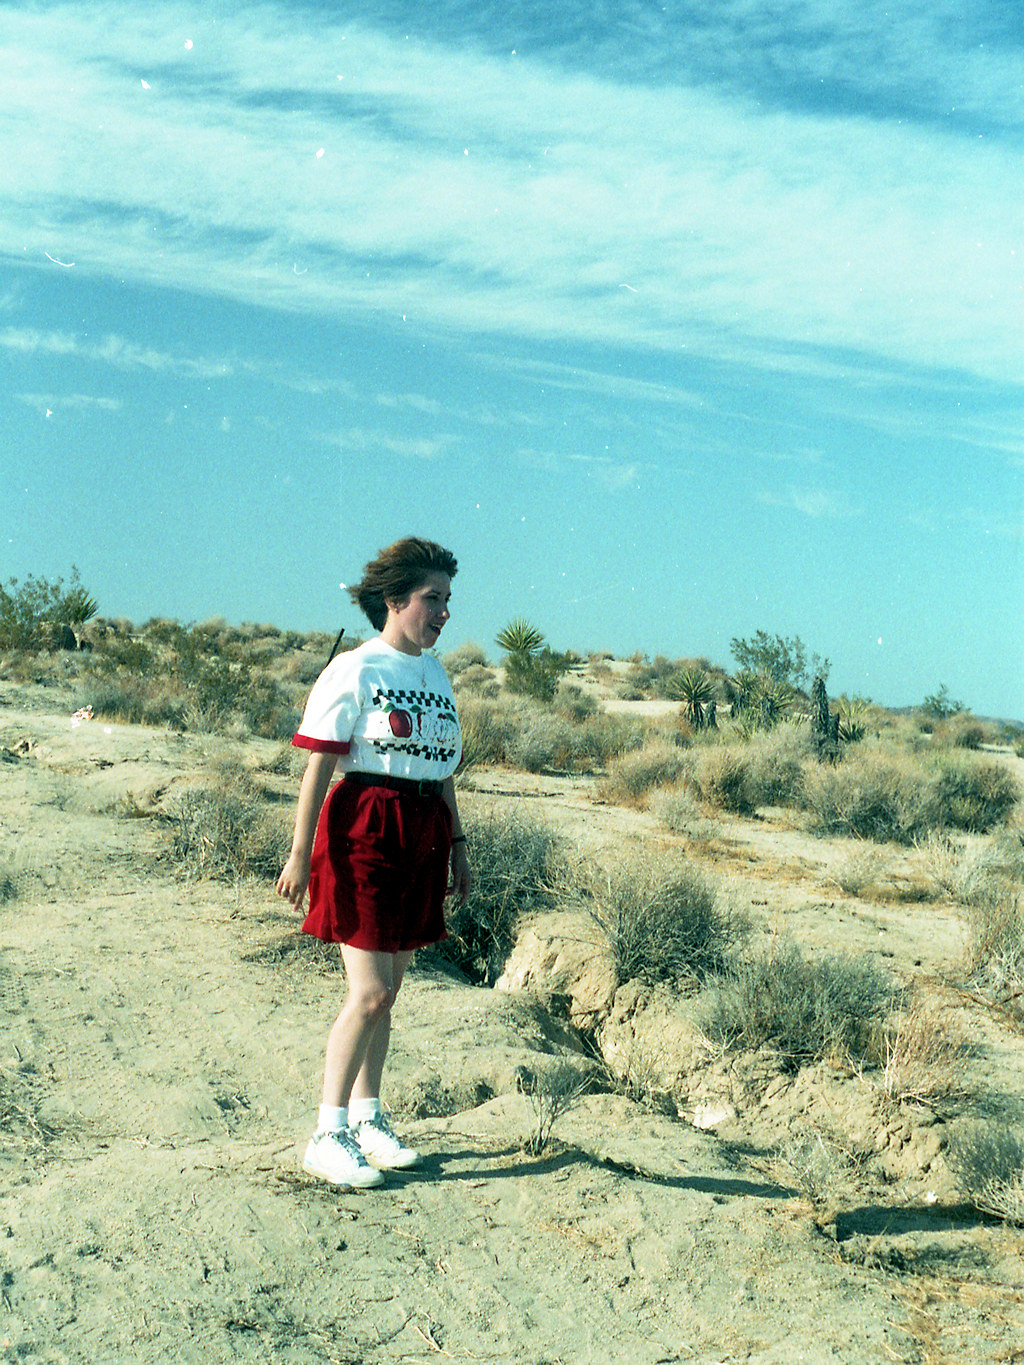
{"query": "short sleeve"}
pixel 332 708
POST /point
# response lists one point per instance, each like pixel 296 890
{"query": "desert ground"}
pixel 160 1065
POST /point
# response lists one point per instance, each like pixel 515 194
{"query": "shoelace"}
pixel 344 1139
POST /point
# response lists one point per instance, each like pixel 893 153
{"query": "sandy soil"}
pixel 160 1062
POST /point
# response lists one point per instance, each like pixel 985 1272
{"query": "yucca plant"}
pixel 852 717
pixel 696 691
pixel 773 700
pixel 742 688
pixel 520 638
pixel 78 606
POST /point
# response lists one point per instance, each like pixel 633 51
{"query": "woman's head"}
pixel 397 572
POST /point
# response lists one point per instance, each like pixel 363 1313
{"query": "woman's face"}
pixel 415 624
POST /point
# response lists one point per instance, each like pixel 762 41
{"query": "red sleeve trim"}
pixel 321 746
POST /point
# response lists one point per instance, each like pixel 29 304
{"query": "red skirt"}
pixel 379 869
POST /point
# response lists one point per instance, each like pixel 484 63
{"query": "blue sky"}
pixel 675 322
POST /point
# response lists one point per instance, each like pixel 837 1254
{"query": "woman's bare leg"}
pixel 367 1082
pixel 357 1044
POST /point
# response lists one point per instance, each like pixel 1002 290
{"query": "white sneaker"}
pixel 335 1157
pixel 381 1146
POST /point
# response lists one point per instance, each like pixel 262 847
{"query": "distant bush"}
pixel 963 732
pixel 720 775
pixel 632 776
pixel 662 921
pixel 464 656
pixel 26 608
pixel 513 865
pixel 883 794
pixel 199 678
pixel 573 703
pixel 783 658
pixel 806 1010
pixel 489 729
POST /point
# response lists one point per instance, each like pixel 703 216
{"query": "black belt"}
pixel 426 787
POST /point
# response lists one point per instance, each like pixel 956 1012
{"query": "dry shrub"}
pixel 805 1010
pixel 572 702
pixel 224 831
pixel 513 860
pixel 872 794
pixel 882 794
pixel 818 1163
pixel 964 732
pixel 858 870
pixel 971 793
pixel 679 811
pixel 987 1161
pixel 663 920
pixel 554 1089
pixel 462 657
pixel 488 731
pixel 966 873
pixel 775 762
pixel 479 680
pixel 719 774
pixel 632 776
pixel 547 741
pixel 922 1055
pixel 995 950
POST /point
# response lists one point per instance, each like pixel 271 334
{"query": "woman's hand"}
pixel 462 874
pixel 293 880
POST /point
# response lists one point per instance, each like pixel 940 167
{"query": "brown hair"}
pixel 398 571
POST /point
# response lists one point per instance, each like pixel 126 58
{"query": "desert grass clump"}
pixel 987 1162
pixel 513 860
pixel 805 1010
pixel 968 873
pixel 995 950
pixel 552 1091
pixel 224 832
pixel 922 1054
pixel 663 920
pixel 631 777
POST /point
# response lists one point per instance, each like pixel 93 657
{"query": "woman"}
pixel 375 856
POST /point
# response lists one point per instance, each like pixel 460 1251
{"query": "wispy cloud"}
pixel 48 403
pixel 382 443
pixel 810 502
pixel 345 168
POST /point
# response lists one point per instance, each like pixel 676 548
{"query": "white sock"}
pixel 331 1119
pixel 360 1110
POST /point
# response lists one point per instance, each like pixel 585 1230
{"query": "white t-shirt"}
pixel 386 712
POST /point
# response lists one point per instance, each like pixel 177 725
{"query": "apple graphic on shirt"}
pixel 401 724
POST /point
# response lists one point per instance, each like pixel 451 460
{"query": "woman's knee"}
pixel 371 1002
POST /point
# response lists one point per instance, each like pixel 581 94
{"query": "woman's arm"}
pixel 316 779
pixel 462 876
